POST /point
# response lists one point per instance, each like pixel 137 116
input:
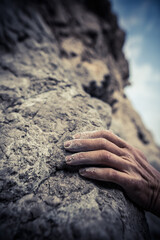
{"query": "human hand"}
pixel 114 160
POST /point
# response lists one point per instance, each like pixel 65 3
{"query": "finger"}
pixel 100 157
pixel 102 134
pixel 105 174
pixel 83 145
pixel 140 155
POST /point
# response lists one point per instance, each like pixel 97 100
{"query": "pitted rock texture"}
pixel 40 196
pixel 55 58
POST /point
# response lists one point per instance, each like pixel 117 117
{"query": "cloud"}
pixel 143 15
pixel 150 26
pixel 143 74
pixel 144 94
pixel 130 22
pixel 132 47
pixel 145 89
pixel 157 77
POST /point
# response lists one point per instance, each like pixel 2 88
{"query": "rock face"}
pixel 62 70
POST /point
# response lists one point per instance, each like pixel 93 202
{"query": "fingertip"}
pixel 82 171
pixel 67 144
pixel 68 159
pixel 87 172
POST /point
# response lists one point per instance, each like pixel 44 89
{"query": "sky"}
pixel 141 21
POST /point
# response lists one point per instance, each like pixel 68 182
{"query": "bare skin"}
pixel 114 160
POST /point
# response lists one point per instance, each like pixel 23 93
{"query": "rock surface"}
pixel 62 70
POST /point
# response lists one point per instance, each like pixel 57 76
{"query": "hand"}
pixel 122 164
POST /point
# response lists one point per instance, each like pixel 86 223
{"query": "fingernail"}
pixel 67 144
pixel 68 159
pixel 82 171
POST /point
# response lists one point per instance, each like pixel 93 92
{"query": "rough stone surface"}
pixel 56 59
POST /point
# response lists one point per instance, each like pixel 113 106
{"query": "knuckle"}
pixel 102 142
pixel 127 154
pixel 124 144
pixel 102 153
pixel 106 155
pixel 105 133
pixel 112 174
pixel 131 168
pixel 102 132
pixel 128 147
pixel 108 133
